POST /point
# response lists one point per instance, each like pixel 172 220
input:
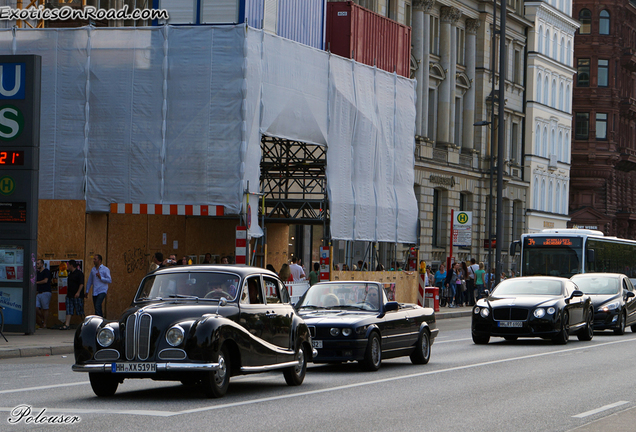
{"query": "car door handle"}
pixel 270 315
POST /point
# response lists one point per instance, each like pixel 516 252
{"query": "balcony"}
pixel 628 60
pixel 627 159
pixel 628 108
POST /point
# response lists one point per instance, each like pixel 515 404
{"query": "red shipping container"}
pixel 367 37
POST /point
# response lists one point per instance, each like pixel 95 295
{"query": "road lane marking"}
pixel 310 392
pixel 437 342
pixel 601 409
pixel 43 387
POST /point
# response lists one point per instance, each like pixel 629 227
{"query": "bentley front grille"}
pixel 138 329
pixel 510 314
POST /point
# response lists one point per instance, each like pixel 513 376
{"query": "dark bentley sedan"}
pixel 613 298
pixel 197 324
pixel 534 306
pixel 354 321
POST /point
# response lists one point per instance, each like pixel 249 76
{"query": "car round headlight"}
pixel 175 336
pixel 346 331
pixel 106 336
pixel 476 310
pixel 539 313
pixel 551 310
pixel 334 332
pixel 484 312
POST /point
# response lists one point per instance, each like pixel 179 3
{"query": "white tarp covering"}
pixel 174 115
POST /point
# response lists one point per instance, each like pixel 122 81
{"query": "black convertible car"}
pixel 197 324
pixel 613 298
pixel 354 321
pixel 535 306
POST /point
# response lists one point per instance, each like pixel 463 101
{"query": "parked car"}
pixel 354 321
pixel 613 298
pixel 197 324
pixel 534 306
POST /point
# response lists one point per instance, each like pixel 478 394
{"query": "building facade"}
pixel 548 113
pixel 603 176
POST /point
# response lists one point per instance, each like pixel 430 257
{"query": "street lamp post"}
pixel 501 139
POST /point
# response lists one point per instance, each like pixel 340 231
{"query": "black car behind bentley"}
pixel 613 298
pixel 197 324
pixel 354 321
pixel 545 307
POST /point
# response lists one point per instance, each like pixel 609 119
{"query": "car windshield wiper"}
pixel 311 307
pixel 183 296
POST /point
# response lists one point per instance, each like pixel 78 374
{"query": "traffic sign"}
pixel 7 185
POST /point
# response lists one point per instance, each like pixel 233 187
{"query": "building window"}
pixel 434 35
pixel 539 81
pixel 544 143
pixel 561 96
pixel 546 46
pixel 581 126
pixel 537 149
pixel 514 144
pixel 437 217
pixel 585 16
pixel 535 194
pixel 555 50
pixel 460 33
pixel 583 73
pixel 562 51
pixel 550 189
pixel 517 68
pixel 517 218
pixel 568 60
pixel 601 126
pixel 540 39
pixel 560 147
pixel 542 198
pixel 603 73
pixel 546 90
pixel 554 94
pixel 567 99
pixel 432 114
pixel 604 23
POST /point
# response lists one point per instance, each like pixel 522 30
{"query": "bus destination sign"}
pixel 553 241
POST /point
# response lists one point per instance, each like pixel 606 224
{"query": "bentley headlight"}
pixel 346 332
pixel 539 313
pixel 175 335
pixel 105 336
pixel 551 310
pixel 335 332
pixel 485 312
pixel 609 306
pixel 476 310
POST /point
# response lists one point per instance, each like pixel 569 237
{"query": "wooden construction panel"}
pixel 127 259
pixel 174 227
pixel 277 244
pixel 406 283
pixel 96 243
pixel 210 235
pixel 61 228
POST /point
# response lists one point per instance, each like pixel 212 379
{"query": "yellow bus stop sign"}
pixel 7 185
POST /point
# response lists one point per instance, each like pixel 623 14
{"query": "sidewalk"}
pixel 60 342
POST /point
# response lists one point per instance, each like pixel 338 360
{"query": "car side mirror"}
pixel 391 306
pixel 630 294
pixel 222 302
pixel 486 293
pixel 577 293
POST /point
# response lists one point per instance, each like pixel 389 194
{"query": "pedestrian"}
pixel 184 260
pixel 74 294
pixel 285 273
pixel 479 280
pixel 225 260
pixel 43 297
pixel 296 270
pixel 440 277
pixel 98 280
pixel 460 284
pixel 450 285
pixel 157 262
pixel 470 281
pixel 207 259
pixel 314 275
pixel 270 268
pixel 379 267
pixel 490 280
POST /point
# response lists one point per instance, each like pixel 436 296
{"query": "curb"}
pixel 446 315
pixel 8 353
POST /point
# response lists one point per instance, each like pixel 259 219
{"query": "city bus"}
pixel 566 252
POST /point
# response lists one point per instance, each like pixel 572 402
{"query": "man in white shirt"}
pixel 470 282
pixel 98 280
pixel 296 270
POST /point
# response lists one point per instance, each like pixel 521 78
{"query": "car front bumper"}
pixel 340 350
pixel 161 367
pixel 529 328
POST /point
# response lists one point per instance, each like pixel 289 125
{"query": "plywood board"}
pixel 277 244
pixel 61 228
pixel 210 235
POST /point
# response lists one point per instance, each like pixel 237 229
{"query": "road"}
pixel 528 385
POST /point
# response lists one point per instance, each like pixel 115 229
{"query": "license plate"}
pixel 316 343
pixel 510 323
pixel 134 367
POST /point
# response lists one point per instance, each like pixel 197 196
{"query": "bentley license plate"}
pixel 510 323
pixel 134 367
pixel 316 343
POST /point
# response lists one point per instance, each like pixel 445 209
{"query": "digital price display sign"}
pixel 573 242
pixel 11 157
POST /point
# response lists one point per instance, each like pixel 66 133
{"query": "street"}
pixel 528 385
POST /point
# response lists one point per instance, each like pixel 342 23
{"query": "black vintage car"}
pixel 354 321
pixel 534 306
pixel 613 298
pixel 197 324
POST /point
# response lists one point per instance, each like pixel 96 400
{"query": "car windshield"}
pixel 197 285
pixel 522 286
pixel 597 285
pixel 362 296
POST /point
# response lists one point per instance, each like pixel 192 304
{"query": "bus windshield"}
pixel 551 258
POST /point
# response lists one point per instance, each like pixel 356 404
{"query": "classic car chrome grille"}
pixel 510 314
pixel 138 329
pixel 312 331
pixel 130 337
pixel 172 354
pixel 143 347
pixel 107 354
